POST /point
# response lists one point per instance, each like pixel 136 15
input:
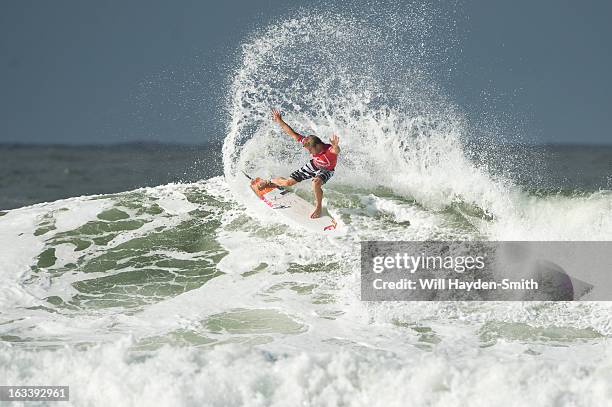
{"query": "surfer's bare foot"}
pixel 316 213
pixel 263 184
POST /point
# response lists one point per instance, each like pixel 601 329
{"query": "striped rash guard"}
pixel 326 159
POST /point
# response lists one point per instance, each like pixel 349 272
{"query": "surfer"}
pixel 320 168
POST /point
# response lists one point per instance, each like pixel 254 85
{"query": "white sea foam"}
pixel 239 376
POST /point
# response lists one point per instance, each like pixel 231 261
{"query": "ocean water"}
pixel 174 286
pixel 31 174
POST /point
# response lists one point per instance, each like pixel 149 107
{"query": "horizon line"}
pixel 219 142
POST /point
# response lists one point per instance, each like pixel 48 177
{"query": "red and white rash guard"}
pixel 326 159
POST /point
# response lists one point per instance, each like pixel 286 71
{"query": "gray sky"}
pixel 95 72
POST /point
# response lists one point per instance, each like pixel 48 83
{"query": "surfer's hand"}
pixel 276 116
pixel 334 140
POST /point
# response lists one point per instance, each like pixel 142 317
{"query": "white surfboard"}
pixel 290 206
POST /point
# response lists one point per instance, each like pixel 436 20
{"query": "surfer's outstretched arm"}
pixel 276 116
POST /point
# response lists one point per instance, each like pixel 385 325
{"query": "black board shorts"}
pixel 311 171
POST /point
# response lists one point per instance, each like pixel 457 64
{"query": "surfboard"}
pixel 292 207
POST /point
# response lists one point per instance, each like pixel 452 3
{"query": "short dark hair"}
pixel 312 141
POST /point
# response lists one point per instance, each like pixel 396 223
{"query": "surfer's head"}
pixel 313 144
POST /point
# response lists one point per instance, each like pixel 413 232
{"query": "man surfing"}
pixel 320 168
